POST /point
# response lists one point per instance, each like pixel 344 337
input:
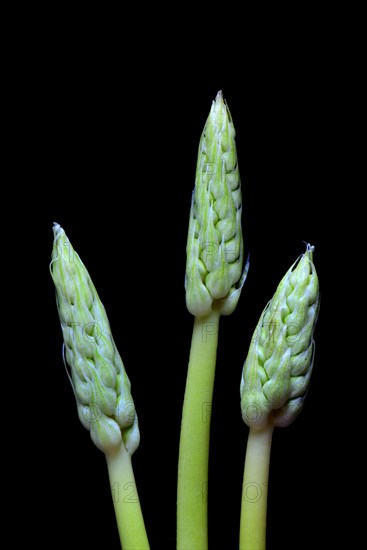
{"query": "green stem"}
pixel 255 489
pixel 129 517
pixel 192 529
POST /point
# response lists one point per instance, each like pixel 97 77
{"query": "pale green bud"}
pixel 100 383
pixel 279 363
pixel 214 245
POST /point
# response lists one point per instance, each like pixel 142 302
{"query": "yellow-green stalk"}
pixel 100 383
pixel 214 279
pixel 274 383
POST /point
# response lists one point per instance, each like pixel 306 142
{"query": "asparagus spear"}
pixel 274 383
pixel 101 385
pixel 214 279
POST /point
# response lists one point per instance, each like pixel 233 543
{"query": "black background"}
pixel 110 148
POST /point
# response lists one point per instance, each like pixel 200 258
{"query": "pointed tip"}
pixel 309 247
pixel 309 250
pixel 219 99
pixel 57 229
pixel 219 110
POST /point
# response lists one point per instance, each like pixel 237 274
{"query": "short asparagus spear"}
pixel 274 383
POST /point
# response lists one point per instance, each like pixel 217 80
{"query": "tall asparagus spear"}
pixel 214 279
pixel 101 385
pixel 274 383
